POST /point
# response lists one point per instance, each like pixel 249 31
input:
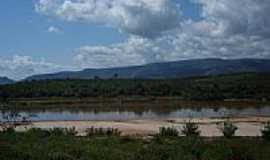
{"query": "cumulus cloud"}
pixel 147 18
pixel 135 51
pixel 249 17
pixel 22 66
pixel 226 29
pixel 53 29
pixel 182 46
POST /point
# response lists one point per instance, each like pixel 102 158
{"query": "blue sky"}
pixel 43 36
pixel 28 31
pixel 25 32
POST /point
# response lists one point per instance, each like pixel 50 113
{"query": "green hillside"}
pixel 237 86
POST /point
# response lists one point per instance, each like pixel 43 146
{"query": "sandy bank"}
pixel 247 126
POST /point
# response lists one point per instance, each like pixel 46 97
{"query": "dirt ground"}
pixel 250 126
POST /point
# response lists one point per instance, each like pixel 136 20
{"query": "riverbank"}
pixel 132 101
pixel 249 126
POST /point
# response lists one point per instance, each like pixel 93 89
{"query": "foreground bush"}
pixel 57 132
pixel 59 156
pixel 38 144
pixel 228 129
pixel 168 132
pixel 191 129
pixel 63 131
pixel 102 132
pixel 266 131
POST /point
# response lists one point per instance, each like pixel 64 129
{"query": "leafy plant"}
pixel 102 132
pixel 63 131
pixel 191 129
pixel 70 131
pixel 38 132
pixel 266 131
pixel 60 156
pixel 228 129
pixel 168 132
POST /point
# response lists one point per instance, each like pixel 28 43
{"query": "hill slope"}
pixel 187 68
pixel 5 80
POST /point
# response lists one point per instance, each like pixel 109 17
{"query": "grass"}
pixel 168 132
pixel 102 132
pixel 47 145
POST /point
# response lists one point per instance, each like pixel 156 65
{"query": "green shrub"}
pixel 191 129
pixel 266 131
pixel 59 156
pixel 57 132
pixel 228 129
pixel 63 131
pixel 70 131
pixel 168 132
pixel 38 132
pixel 102 132
pixel 8 130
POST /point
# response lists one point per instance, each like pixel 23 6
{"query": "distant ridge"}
pixel 5 80
pixel 177 69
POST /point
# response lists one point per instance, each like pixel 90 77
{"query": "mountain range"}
pixel 177 69
pixel 5 80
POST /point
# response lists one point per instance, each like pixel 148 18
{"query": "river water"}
pixel 132 113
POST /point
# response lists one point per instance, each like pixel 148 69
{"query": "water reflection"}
pixel 134 113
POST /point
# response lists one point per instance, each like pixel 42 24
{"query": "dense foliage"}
pixel 61 145
pixel 239 86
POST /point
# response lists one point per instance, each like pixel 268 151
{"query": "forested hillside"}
pixel 238 86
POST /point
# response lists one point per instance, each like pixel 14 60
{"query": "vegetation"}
pixel 102 132
pixel 168 132
pixel 43 145
pixel 63 132
pixel 238 86
pixel 10 119
pixel 228 129
pixel 191 129
pixel 266 131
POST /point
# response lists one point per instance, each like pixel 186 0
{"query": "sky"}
pixel 45 36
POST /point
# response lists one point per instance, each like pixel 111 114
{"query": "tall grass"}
pixel 38 144
pixel 191 129
pixel 168 132
pixel 92 131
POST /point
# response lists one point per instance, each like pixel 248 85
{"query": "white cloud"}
pixel 19 67
pixel 147 18
pixel 249 17
pixel 53 29
pixel 228 29
pixel 131 52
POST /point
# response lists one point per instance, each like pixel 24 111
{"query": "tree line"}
pixel 238 86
